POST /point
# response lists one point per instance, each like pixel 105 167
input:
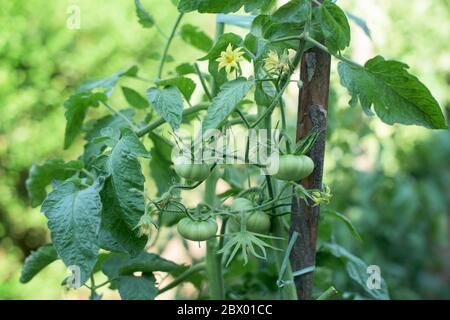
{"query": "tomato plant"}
pixel 101 215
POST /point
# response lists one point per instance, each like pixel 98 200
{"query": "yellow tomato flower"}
pixel 274 63
pixel 230 58
pixel 272 60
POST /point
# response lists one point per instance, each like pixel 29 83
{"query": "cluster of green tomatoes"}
pixel 291 168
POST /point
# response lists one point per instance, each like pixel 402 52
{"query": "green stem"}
pixel 92 287
pixel 287 39
pixel 90 175
pixel 240 120
pixel 202 82
pixel 220 28
pixel 160 121
pixel 283 114
pixel 102 284
pixel 336 55
pixel 331 291
pixel 265 79
pixel 288 292
pixel 269 109
pixel 242 116
pixel 193 269
pixel 161 31
pixel 213 259
pixel 169 41
pixel 114 111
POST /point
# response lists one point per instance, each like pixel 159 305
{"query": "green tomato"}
pixel 256 221
pixel 193 171
pixel 294 168
pixel 197 230
pixel 241 204
pixel 170 218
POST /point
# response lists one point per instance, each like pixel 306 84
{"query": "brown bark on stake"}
pixel 312 112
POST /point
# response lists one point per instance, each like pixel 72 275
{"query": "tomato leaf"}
pixel 137 287
pixel 109 82
pixel 74 219
pixel 307 142
pixel 360 23
pixel 120 268
pixel 295 11
pixel 185 68
pixel 168 103
pixel 185 85
pixel 122 205
pixel 348 223
pixel 357 270
pixel 76 109
pixel 335 26
pixel 93 147
pixel 215 6
pixel 145 19
pixel 41 176
pixel 134 98
pixel 37 261
pixel 147 263
pixel 397 96
pixel 194 36
pixel 231 93
pixel 264 93
pixel 160 164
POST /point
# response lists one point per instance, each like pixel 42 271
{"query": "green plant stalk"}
pixel 336 55
pixel 169 41
pixel 288 292
pixel 182 277
pixel 331 291
pixel 202 81
pixel 220 28
pixel 160 121
pixel 214 260
pixel 114 111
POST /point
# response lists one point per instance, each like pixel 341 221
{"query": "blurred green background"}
pixel 393 182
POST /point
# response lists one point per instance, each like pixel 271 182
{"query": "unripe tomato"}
pixel 170 218
pixel 197 230
pixel 294 168
pixel 193 171
pixel 241 204
pixel 256 221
